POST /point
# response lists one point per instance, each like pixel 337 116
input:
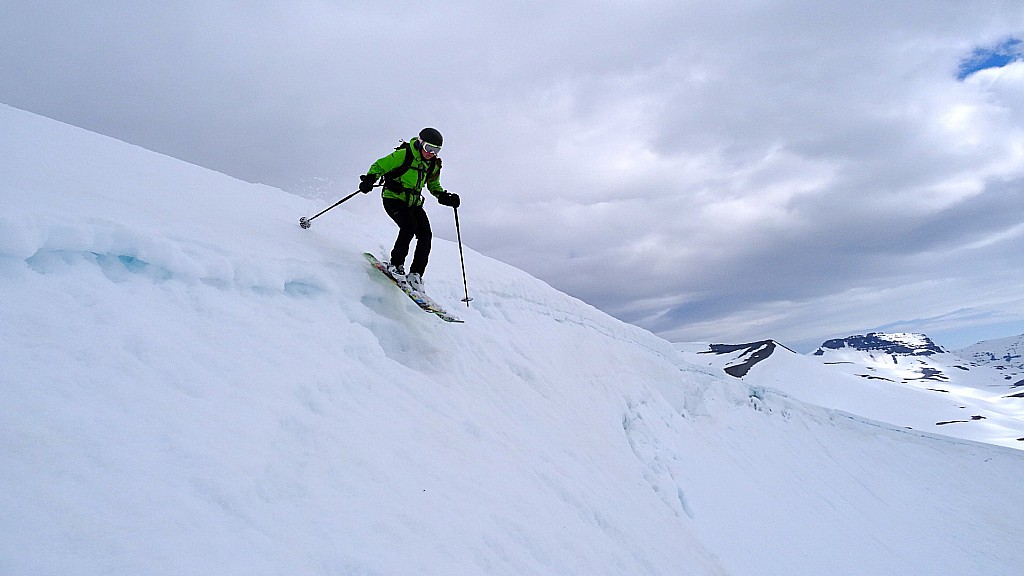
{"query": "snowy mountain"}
pixel 902 379
pixel 898 344
pixel 192 384
pixel 1005 355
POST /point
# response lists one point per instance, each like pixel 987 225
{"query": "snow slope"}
pixel 192 384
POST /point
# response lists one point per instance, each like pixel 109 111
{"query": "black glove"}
pixel 366 182
pixel 448 199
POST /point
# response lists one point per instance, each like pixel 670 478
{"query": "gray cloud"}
pixel 730 170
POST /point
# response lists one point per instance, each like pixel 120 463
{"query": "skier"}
pixel 405 171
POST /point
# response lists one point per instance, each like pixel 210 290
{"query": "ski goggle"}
pixel 431 148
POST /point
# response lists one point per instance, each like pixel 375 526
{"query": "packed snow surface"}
pixel 192 384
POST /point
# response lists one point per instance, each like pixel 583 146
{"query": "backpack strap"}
pixel 392 178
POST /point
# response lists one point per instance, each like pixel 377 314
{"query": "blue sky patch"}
pixel 1007 51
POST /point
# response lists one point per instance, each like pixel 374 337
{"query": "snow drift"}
pixel 192 384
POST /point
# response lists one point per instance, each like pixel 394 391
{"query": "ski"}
pixel 426 303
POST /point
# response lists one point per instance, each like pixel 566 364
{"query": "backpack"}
pixel 392 178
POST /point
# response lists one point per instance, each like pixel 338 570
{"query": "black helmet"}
pixel 431 136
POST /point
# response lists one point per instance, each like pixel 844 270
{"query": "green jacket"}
pixel 408 187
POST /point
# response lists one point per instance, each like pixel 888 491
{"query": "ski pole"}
pixel 458 234
pixel 307 222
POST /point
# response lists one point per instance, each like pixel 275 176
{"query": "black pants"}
pixel 412 222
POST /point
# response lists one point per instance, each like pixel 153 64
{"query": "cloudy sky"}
pixel 712 171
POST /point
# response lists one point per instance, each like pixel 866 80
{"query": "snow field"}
pixel 192 384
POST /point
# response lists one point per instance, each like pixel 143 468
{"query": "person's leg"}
pixel 423 238
pixel 407 226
